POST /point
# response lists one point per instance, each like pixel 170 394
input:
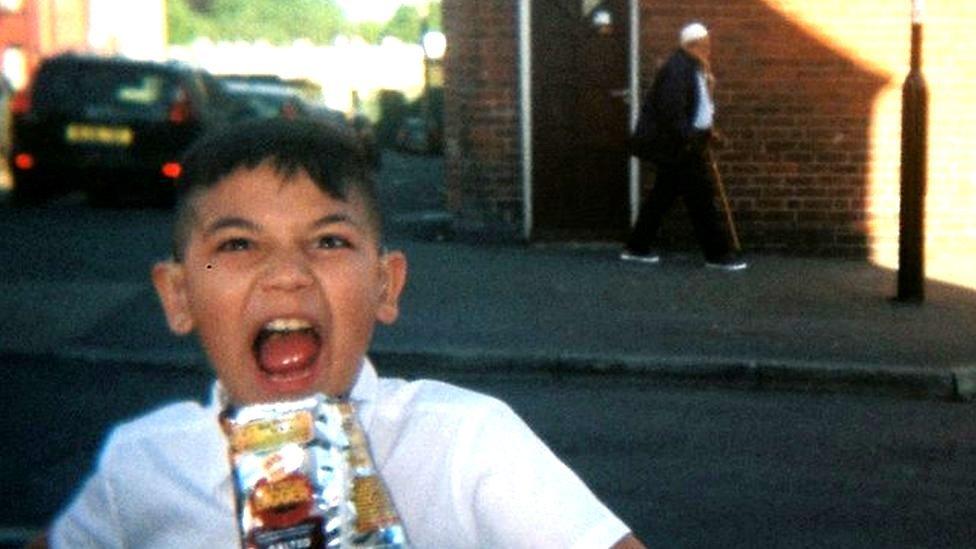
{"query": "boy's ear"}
pixel 394 273
pixel 169 278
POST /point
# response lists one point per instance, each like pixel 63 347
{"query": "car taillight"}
pixel 23 161
pixel 172 170
pixel 181 110
pixel 20 103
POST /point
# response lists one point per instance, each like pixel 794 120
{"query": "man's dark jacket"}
pixel 665 133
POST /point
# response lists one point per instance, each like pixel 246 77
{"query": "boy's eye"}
pixel 235 245
pixel 330 242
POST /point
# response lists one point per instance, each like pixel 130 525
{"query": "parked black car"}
pixel 268 96
pixel 262 98
pixel 112 127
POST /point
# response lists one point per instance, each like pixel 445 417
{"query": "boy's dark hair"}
pixel 332 158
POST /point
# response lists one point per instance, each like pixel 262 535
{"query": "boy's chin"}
pixel 272 386
pixel 262 385
pixel 295 386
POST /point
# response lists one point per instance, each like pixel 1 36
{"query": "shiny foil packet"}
pixel 304 477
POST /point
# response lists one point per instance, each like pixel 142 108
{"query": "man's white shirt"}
pixel 705 115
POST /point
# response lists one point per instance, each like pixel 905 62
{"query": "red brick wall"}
pixel 796 113
pixel 482 136
pixel 809 97
pixel 42 28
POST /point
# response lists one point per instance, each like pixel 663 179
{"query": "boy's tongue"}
pixel 288 351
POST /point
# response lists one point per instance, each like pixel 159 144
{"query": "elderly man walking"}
pixel 675 132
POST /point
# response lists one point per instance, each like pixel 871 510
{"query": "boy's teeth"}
pixel 287 325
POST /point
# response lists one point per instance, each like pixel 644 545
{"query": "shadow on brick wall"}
pixel 796 111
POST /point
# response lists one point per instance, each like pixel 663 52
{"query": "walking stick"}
pixel 725 202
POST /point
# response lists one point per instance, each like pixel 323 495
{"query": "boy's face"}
pixel 282 284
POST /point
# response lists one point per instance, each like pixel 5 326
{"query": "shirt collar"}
pixel 364 393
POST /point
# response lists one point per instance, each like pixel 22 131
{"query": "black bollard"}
pixel 914 133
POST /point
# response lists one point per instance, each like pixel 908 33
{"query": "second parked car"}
pixel 112 127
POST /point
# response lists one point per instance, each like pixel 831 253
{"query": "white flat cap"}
pixel 693 32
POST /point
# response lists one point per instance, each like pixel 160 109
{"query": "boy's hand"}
pixel 716 138
pixel 40 542
pixel 628 542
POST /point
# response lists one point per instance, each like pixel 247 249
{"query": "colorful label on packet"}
pixel 273 432
pixel 373 508
pixel 304 478
pixel 284 502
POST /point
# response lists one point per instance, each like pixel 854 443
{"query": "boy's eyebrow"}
pixel 233 222
pixel 230 223
pixel 335 218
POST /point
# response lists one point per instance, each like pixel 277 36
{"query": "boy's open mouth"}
pixel 286 348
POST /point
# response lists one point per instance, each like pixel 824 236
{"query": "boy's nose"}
pixel 288 271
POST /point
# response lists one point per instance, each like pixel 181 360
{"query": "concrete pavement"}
pixel 785 322
pixel 797 323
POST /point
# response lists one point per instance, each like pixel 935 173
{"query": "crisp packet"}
pixel 304 478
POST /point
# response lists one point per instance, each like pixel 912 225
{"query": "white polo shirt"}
pixel 463 471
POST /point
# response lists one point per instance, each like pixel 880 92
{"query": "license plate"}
pixel 119 136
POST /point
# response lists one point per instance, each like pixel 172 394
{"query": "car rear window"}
pixel 104 91
pixel 263 100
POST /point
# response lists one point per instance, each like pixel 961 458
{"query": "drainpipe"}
pixel 914 122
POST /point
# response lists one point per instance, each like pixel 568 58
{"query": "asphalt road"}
pixel 685 467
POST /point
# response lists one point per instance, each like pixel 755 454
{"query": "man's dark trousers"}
pixel 692 179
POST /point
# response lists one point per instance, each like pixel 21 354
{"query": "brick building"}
pixel 33 29
pixel 541 93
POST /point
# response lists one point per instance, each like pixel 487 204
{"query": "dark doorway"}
pixel 580 118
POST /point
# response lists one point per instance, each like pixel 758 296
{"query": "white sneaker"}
pixel 730 263
pixel 648 258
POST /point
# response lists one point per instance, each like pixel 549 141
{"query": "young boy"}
pixel 279 270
